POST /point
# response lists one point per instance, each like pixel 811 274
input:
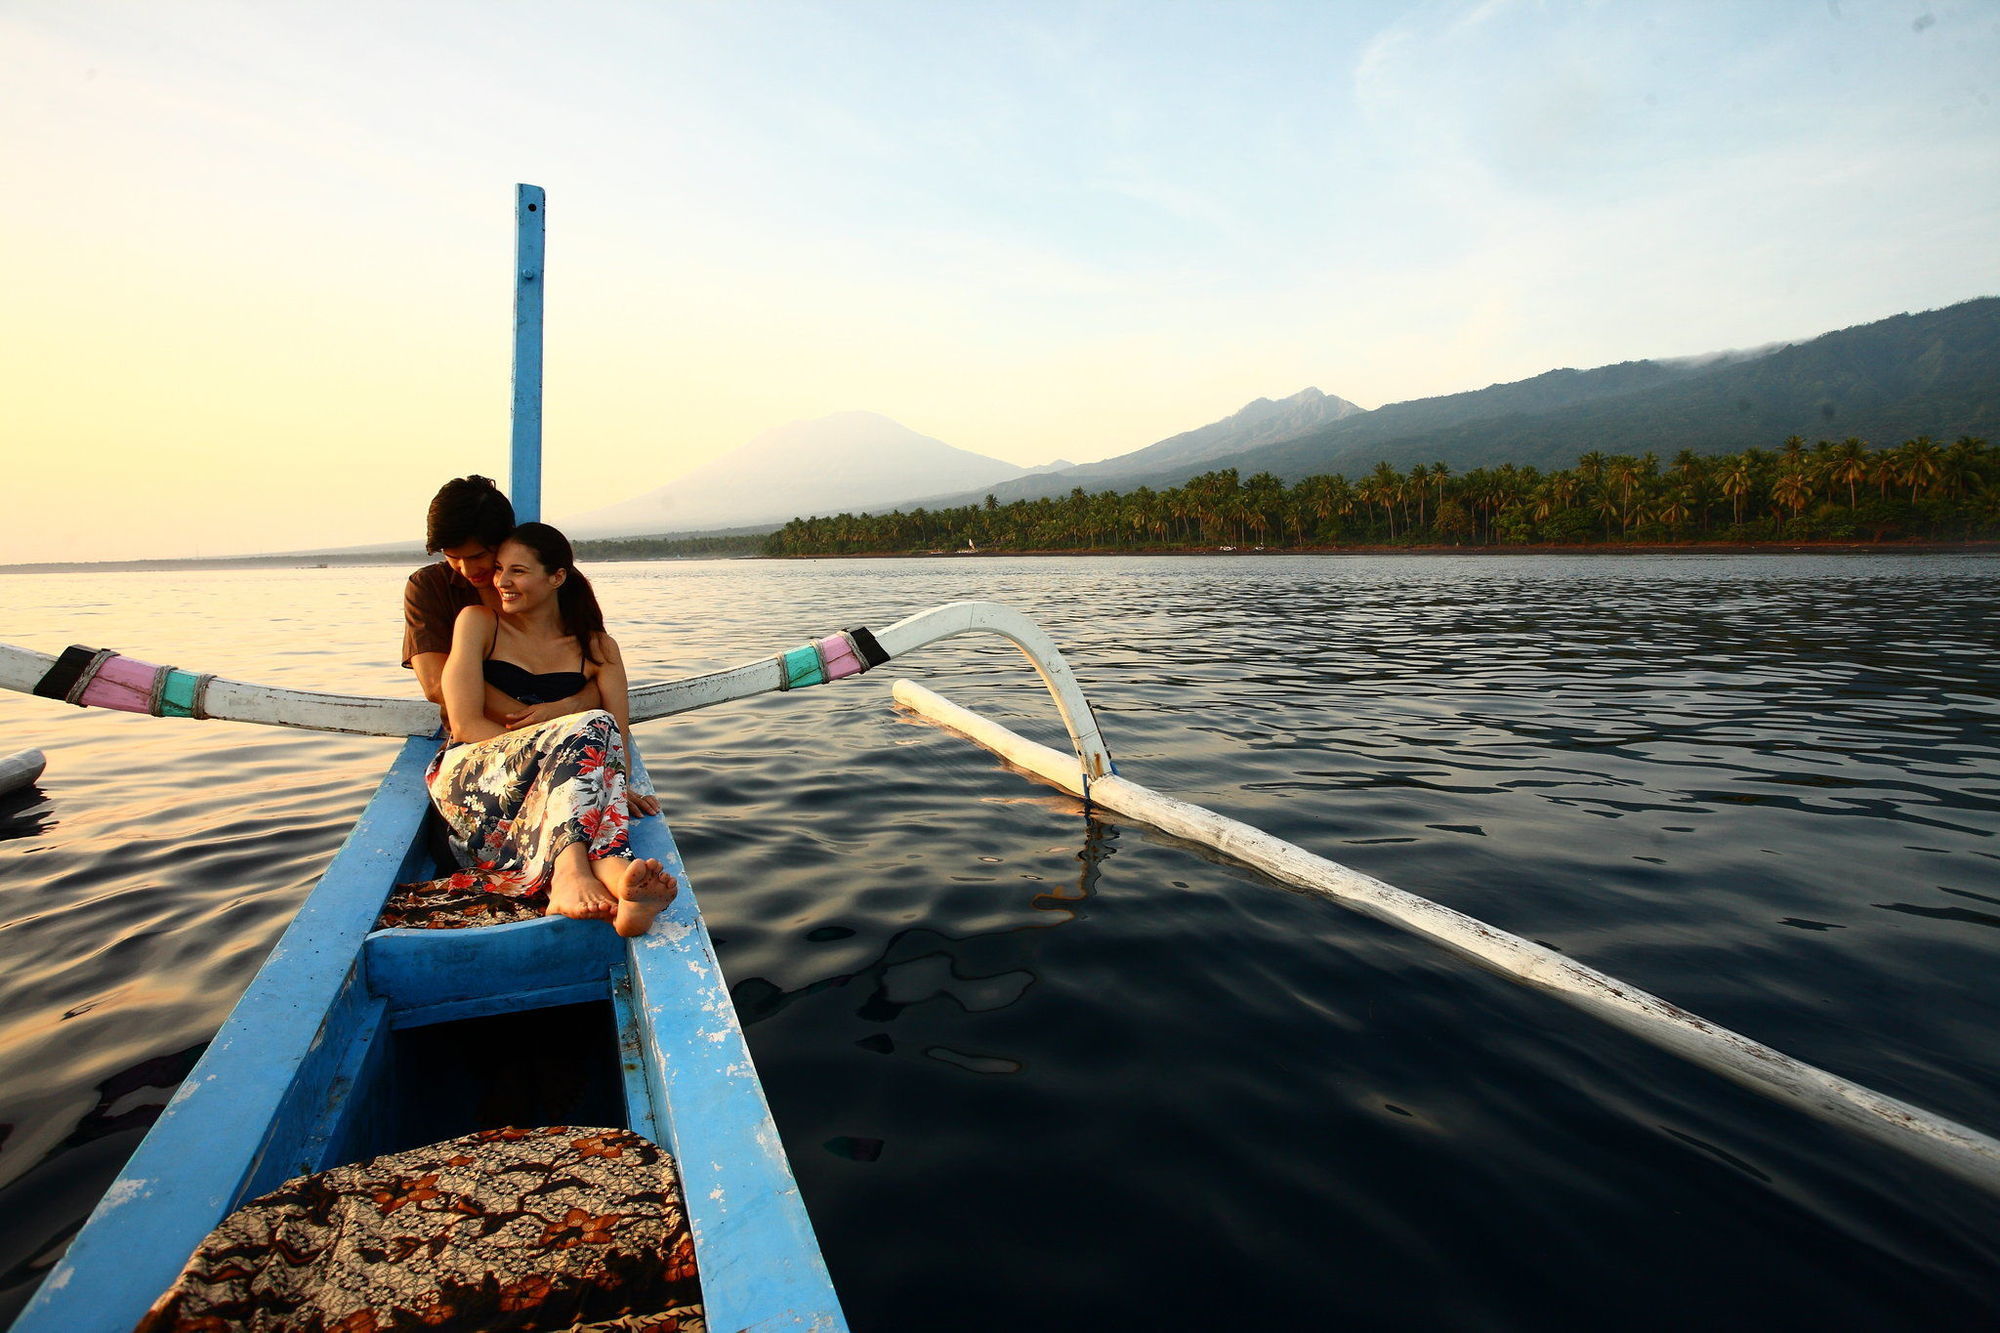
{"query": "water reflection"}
pixel 26 813
pixel 1764 788
pixel 920 965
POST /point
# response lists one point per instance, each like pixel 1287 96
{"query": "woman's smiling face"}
pixel 521 581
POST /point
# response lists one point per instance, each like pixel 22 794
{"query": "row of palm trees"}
pixel 1846 491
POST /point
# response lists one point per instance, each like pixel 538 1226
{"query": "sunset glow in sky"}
pixel 259 255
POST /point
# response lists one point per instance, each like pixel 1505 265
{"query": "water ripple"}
pixel 1035 1065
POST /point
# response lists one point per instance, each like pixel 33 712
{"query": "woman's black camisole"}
pixel 517 682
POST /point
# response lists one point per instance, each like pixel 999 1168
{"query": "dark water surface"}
pixel 1035 1068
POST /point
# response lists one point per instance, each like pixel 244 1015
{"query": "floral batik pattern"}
pixel 506 1229
pixel 512 804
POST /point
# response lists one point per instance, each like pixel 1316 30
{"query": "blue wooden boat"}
pixel 330 1055
pixel 325 1061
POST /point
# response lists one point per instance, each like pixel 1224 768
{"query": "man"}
pixel 468 520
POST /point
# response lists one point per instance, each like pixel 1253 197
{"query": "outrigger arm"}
pixel 102 678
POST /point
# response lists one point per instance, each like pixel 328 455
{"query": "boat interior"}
pixel 421 1046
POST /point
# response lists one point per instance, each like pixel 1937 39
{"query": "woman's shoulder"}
pixel 476 621
pixel 604 648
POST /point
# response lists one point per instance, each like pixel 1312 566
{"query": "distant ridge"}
pixel 823 465
pixel 1934 373
pixel 1260 422
pixel 1264 421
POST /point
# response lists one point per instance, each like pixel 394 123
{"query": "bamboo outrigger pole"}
pixel 524 484
pixel 1946 1144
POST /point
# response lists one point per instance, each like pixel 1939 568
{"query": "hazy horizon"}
pixel 261 293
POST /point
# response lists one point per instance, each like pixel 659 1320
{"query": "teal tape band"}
pixel 803 667
pixel 177 698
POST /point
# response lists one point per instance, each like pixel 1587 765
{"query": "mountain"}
pixel 822 466
pixel 1261 422
pixel 1936 373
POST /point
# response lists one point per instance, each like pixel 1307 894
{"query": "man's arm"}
pixel 499 705
pixel 429 617
pixel 516 715
pixel 427 630
pixel 430 674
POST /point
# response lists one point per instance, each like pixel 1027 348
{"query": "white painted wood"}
pixel 953 618
pixel 237 701
pixel 20 668
pixel 904 637
pixel 1963 1151
pixel 20 769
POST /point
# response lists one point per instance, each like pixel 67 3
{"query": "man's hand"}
pixel 641 804
pixel 535 714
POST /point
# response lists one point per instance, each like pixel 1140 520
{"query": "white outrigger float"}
pixel 303 1075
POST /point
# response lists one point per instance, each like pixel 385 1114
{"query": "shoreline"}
pixel 1596 548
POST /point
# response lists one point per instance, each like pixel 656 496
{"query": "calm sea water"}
pixel 1039 1068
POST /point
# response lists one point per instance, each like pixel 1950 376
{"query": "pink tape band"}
pixel 838 653
pixel 123 683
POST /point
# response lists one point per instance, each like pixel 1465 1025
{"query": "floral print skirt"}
pixel 523 1229
pixel 512 805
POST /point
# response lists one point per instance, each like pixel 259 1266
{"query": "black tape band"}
pixel 56 682
pixel 871 651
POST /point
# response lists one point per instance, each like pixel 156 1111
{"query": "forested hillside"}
pixel 1935 374
pixel 1828 491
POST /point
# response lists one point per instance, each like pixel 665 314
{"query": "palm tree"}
pixel 1736 481
pixel 1674 509
pixel 1959 469
pixel 1608 506
pixel 1847 464
pixel 1921 463
pixel 1387 485
pixel 1419 475
pixel 1793 489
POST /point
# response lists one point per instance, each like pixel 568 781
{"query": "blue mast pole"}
pixel 524 485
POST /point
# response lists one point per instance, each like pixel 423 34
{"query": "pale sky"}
pixel 258 256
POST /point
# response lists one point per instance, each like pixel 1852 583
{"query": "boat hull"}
pixel 314 1068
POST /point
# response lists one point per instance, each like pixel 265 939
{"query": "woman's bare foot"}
pixel 642 888
pixel 576 891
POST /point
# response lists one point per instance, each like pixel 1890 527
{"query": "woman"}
pixel 537 796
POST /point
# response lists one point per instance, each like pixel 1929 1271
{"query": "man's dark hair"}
pixel 468 509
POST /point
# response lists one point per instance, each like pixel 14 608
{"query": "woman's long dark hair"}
pixel 576 602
